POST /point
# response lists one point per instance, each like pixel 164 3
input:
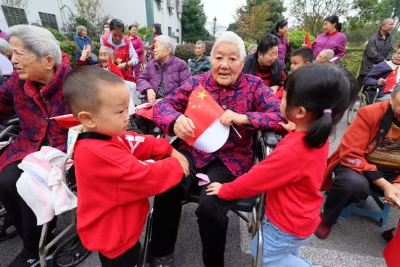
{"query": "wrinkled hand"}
pixel 213 189
pixel 288 127
pixel 381 81
pixel 182 160
pixel 229 117
pixel 184 127
pixel 85 52
pixel 151 96
pixel 392 193
pixel 122 65
pixel 118 61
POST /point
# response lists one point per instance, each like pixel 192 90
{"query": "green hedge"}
pixel 186 51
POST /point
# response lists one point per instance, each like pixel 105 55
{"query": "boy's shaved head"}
pixel 82 88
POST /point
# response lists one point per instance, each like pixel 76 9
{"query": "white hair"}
pixel 4 46
pixel 39 41
pixel 203 44
pixel 111 53
pixel 329 53
pixel 80 28
pixel 251 47
pixel 166 41
pixel 233 38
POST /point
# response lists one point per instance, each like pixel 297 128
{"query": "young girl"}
pixel 315 99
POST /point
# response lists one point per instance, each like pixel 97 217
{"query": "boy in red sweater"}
pixel 315 99
pixel 112 174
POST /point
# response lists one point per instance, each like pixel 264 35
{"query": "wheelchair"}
pixel 263 145
pixel 366 96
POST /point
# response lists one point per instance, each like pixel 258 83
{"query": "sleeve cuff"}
pixel 169 152
pixel 372 175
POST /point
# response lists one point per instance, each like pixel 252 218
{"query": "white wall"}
pixel 131 11
pixel 166 20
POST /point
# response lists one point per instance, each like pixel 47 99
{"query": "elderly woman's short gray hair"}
pixel 251 47
pixel 396 90
pixel 166 41
pixel 233 38
pixel 80 28
pixel 203 44
pixel 329 53
pixel 4 46
pixel 111 53
pixel 37 40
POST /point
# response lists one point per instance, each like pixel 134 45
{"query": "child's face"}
pixel 112 117
pixel 297 62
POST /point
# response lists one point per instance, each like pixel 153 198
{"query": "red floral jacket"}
pixel 34 108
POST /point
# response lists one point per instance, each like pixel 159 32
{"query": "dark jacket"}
pixel 377 50
pixel 200 66
pixel 250 68
pixel 382 70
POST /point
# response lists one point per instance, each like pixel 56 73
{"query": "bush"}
pixel 186 51
pixel 352 60
pixel 58 35
pixel 297 38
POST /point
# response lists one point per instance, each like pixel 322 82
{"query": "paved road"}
pixel 355 242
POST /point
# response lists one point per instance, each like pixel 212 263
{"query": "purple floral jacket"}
pixel 248 95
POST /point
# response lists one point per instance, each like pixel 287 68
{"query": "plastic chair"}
pixel 382 215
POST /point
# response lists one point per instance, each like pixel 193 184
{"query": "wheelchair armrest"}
pixel 157 130
pixel 270 138
pixel 13 121
pixel 371 88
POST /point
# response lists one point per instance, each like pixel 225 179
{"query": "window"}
pixel 48 20
pixel 14 16
pixel 169 31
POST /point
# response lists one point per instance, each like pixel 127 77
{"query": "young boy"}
pixel 113 178
pixel 300 57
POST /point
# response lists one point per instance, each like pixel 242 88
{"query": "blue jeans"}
pixel 279 248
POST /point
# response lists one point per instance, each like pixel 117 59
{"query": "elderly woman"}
pixel 325 56
pixel 125 55
pixel 281 31
pixel 252 49
pixel 35 94
pixel 250 105
pixel 81 39
pixel 138 46
pixel 6 66
pixel 200 63
pixel 164 73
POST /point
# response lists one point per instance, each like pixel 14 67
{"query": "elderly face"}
pixel 83 33
pixel 396 57
pixel 269 57
pixel 133 31
pixel 28 66
pixel 117 36
pixel 226 64
pixel 199 50
pixel 389 26
pixel 253 50
pixel 328 27
pixel 322 58
pixel 103 58
pixel 395 103
pixel 161 53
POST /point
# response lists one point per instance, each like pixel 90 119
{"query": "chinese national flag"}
pixel 67 121
pixel 307 40
pixel 204 111
pixel 145 111
pixel 391 252
pixel 391 80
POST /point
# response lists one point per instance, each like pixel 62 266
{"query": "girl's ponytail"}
pixel 320 130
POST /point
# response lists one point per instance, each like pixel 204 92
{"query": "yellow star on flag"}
pixel 202 95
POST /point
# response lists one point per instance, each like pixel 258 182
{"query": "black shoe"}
pixel 7 229
pixel 28 259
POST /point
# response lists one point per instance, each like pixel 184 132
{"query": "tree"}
pixel 144 32
pixel 311 13
pixel 389 9
pixel 232 27
pixel 252 26
pixel 193 21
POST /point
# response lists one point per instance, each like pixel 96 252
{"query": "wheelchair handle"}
pixel 270 138
pixel 9 122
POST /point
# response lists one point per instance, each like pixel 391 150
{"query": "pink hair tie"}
pixel 327 110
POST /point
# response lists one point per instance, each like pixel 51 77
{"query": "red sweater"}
pixel 114 186
pixel 291 176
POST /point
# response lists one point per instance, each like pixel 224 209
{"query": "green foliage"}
pixel 58 35
pixel 352 60
pixel 69 48
pixel 144 32
pixel 232 27
pixel 297 38
pixel 186 51
pixel 247 44
pixel 360 35
pixel 193 21
pixel 275 6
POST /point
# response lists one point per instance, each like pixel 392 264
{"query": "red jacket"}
pixel 123 52
pixel 65 58
pixel 291 176
pixel 114 186
pixel 34 109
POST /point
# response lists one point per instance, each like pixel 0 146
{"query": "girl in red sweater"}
pixel 315 99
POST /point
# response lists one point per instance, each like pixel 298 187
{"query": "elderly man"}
pixel 34 93
pixel 6 66
pixel 379 48
pixel 379 74
pixel 251 49
pixel 325 56
pixel 368 157
pixel 200 63
pixel 265 64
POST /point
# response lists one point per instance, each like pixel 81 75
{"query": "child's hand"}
pixel 290 126
pixel 213 189
pixel 182 160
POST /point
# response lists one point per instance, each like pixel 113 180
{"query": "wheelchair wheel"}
pixel 69 253
pixel 353 109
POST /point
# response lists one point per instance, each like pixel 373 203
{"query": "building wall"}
pixel 168 19
pixel 219 29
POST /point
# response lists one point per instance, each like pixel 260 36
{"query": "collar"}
pixel 166 64
pixel 93 135
pixel 384 125
pixel 392 65
pixel 333 33
pixel 110 41
pixel 203 57
pixel 380 36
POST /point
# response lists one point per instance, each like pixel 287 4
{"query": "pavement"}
pixel 356 242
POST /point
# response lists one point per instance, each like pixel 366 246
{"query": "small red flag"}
pixel 391 80
pixel 307 40
pixel 391 252
pixel 67 121
pixel 145 111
